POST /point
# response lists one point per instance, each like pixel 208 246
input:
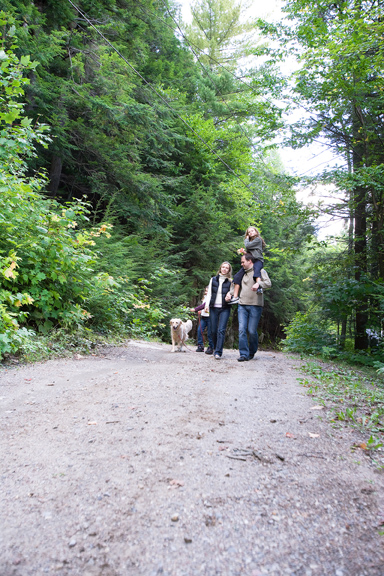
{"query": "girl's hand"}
pixel 241 251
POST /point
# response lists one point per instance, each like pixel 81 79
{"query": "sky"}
pixel 259 9
pixel 306 161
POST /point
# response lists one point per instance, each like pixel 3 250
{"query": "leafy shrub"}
pixel 306 335
pixel 45 257
pixel 132 309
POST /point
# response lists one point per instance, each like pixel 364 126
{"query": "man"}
pixel 249 311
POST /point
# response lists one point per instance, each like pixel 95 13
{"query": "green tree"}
pixel 340 86
pixel 220 33
pixel 43 263
pixel 179 185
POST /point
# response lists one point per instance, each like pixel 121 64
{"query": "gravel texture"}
pixel 143 462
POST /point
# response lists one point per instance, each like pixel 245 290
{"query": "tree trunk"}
pixel 343 333
pixel 55 174
pixel 360 244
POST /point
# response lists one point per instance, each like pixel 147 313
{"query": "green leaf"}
pixel 12 30
pixel 25 60
pixel 11 116
pixel 26 122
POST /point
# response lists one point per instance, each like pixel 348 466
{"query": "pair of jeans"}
pixel 204 323
pixel 257 266
pixel 219 320
pixel 249 317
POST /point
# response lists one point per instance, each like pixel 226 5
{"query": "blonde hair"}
pixel 229 274
pixel 257 235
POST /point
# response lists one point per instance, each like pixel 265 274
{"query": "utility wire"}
pixel 212 80
pixel 159 95
pixel 191 44
pixel 194 47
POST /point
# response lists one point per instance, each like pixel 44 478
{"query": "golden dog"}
pixel 179 333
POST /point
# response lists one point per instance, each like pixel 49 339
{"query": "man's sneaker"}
pixel 234 300
pixel 200 348
pixel 217 357
pixel 209 350
pixel 259 291
pixel 242 359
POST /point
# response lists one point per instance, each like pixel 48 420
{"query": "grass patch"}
pixel 61 344
pixel 352 397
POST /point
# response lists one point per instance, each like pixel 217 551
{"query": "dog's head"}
pixel 175 323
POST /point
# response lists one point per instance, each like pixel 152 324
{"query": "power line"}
pixel 210 77
pixel 159 95
pixel 190 43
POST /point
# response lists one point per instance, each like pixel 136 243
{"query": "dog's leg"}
pixel 173 341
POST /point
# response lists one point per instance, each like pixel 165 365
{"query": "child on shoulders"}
pixel 254 245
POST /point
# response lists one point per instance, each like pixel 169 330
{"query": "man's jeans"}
pixel 204 322
pixel 249 317
pixel 219 320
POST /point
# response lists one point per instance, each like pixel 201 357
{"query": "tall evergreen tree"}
pixel 220 33
pixel 339 84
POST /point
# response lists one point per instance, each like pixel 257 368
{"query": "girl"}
pixel 219 309
pixel 255 245
pixel 204 322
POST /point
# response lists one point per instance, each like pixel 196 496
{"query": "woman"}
pixel 219 309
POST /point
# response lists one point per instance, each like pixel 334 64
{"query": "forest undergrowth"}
pixel 348 396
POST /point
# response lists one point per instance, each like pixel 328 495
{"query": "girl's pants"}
pixel 204 323
pixel 257 266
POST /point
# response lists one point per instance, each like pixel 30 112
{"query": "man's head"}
pixel 247 261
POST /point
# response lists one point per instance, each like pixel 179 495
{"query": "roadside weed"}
pixel 351 398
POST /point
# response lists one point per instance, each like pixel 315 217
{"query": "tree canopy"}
pixel 135 155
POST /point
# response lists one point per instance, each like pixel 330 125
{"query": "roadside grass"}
pixel 351 397
pixel 61 344
pixel 58 344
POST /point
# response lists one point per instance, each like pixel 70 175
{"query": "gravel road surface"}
pixel 142 462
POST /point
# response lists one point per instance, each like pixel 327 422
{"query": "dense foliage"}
pixel 146 181
pixel 132 161
pixel 338 87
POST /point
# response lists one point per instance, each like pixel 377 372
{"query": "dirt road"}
pixel 143 462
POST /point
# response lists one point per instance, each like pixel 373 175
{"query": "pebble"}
pixel 175 518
